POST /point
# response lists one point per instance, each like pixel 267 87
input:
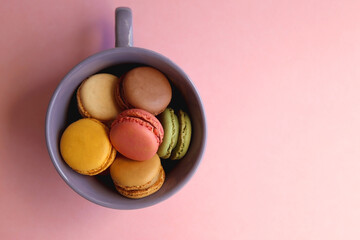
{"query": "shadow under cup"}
pixel 62 111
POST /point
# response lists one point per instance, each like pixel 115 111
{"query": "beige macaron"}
pixel 135 179
pixel 96 97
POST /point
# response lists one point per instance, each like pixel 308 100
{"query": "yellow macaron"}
pixel 137 179
pixel 86 148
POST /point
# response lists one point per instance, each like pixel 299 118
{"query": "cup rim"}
pixel 52 150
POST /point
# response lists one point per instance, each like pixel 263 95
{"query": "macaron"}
pixel 96 97
pixel 134 179
pixel 144 88
pixel 184 137
pixel 86 148
pixel 170 123
pixel 136 134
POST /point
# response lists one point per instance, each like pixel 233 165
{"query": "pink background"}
pixel 280 84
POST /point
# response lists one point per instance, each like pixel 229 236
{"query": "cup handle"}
pixel 123 27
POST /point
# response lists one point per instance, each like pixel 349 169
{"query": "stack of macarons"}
pixel 127 125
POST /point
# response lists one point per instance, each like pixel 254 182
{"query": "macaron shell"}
pixel 81 108
pixel 184 138
pixel 133 139
pixel 132 174
pixel 86 148
pixel 96 97
pixel 134 179
pixel 147 88
pixel 102 169
pixel 170 123
pixel 136 134
pixel 147 117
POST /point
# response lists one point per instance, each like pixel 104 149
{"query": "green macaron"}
pixel 170 123
pixel 184 138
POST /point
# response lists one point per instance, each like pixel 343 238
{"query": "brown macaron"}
pixel 145 88
pixel 134 179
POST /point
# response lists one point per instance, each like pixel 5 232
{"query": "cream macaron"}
pixel 96 97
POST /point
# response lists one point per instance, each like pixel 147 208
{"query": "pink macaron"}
pixel 136 134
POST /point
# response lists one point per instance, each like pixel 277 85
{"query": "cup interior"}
pixel 62 111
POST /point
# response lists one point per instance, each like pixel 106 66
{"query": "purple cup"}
pixel 62 110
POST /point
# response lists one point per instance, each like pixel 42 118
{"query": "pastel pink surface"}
pixel 290 69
